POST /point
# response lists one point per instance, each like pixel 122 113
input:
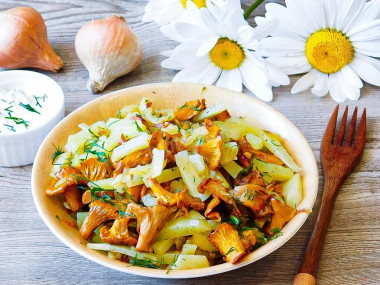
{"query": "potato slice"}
pixel 189 249
pixel 184 226
pixel 293 191
pixel 190 262
pixel 272 171
pixel 162 246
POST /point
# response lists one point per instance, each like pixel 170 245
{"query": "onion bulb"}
pixel 23 41
pixel 108 48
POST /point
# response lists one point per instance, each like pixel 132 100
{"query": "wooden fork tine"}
pixel 330 130
pixel 342 128
pixel 351 130
pixel 361 134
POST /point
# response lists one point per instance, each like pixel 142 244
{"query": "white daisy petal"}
pixel 349 9
pixel 365 32
pixel 291 65
pixel 246 34
pixel 331 13
pixel 287 19
pixel 321 87
pixel 351 77
pixel 375 62
pixel 251 71
pixel 305 82
pixel 266 28
pixel 336 93
pixel 283 45
pixel 190 31
pixel 370 48
pixel 369 13
pixel 276 75
pixel 180 57
pixel 207 45
pixel 346 87
pixel 231 79
pixel 202 71
pixel 366 71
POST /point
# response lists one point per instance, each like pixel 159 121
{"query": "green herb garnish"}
pixel 174 260
pixel 58 151
pixel 11 128
pixel 18 121
pixel 230 250
pixel 143 263
pixel 29 108
pixel 277 233
pixel 235 220
pixel 138 127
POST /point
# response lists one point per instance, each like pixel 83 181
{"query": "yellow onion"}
pixel 108 48
pixel 23 41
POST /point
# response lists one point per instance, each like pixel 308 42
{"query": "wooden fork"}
pixel 338 161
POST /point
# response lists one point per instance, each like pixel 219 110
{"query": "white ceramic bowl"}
pixel 20 148
pixel 171 95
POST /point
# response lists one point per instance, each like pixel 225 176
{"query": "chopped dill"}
pixel 138 127
pixel 118 115
pixel 277 233
pixel 230 250
pixel 174 260
pixel 43 98
pixel 29 108
pixel 92 133
pixel 8 109
pixel 194 108
pixel 18 121
pixel 143 263
pixel 113 123
pixel 245 171
pixel 183 106
pixel 58 218
pixel 58 151
pixel 11 128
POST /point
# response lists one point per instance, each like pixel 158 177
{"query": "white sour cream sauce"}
pixel 21 110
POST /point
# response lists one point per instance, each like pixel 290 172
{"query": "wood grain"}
pixel 31 254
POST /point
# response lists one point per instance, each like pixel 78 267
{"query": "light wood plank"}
pixel 31 254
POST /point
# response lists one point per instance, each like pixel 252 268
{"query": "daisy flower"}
pixel 218 45
pixel 165 11
pixel 333 41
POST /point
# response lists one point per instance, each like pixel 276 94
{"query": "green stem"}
pixel 251 8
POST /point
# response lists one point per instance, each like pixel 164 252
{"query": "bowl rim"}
pixel 60 103
pixel 299 219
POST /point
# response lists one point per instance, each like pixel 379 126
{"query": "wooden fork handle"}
pixel 308 269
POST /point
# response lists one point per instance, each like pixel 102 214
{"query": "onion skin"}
pixel 24 43
pixel 108 48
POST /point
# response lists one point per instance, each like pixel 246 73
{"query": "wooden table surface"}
pixel 31 254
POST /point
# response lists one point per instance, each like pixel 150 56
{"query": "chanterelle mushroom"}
pixel 150 221
pixel 94 170
pixel 185 201
pixel 65 178
pixel 164 197
pixel 282 214
pixel 252 196
pixel 118 233
pixel 211 151
pixel 99 213
pixel 218 190
pixel 189 110
pixel 227 240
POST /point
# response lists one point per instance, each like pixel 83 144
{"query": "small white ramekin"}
pixel 18 149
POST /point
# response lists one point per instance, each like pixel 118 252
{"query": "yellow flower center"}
pixel 199 3
pixel 227 54
pixel 329 50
